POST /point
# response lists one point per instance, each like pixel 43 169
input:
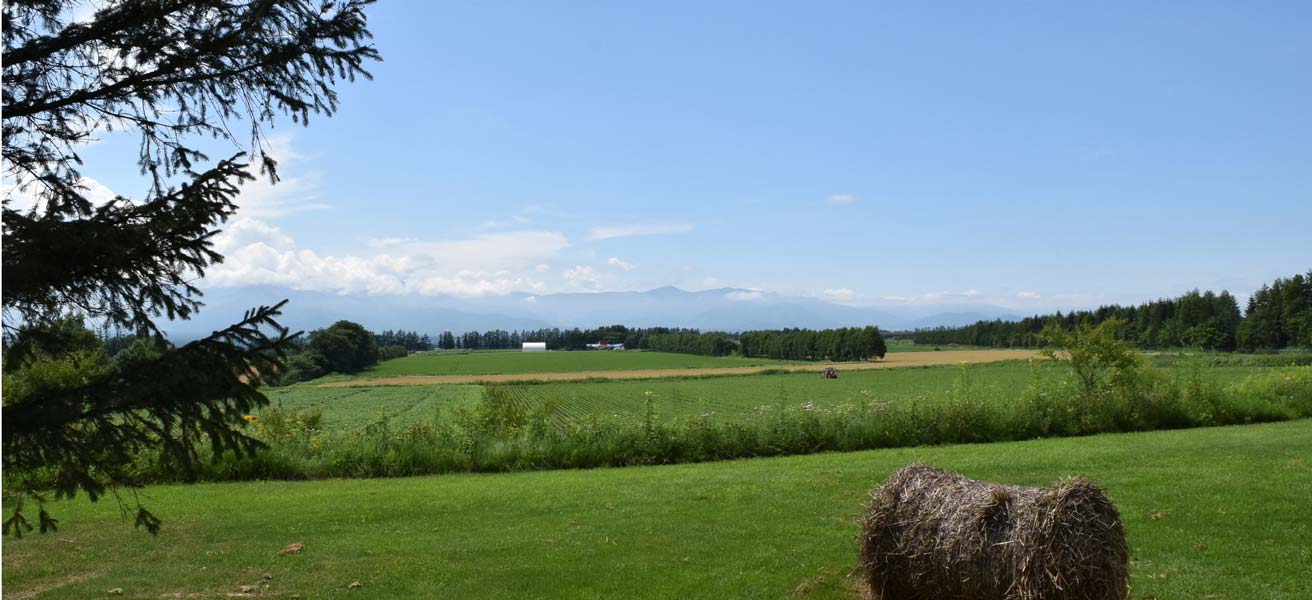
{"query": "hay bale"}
pixel 934 535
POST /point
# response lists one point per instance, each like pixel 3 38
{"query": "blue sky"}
pixel 1028 155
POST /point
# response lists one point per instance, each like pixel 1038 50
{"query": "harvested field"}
pixel 900 359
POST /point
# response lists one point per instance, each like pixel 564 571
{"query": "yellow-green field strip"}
pixel 898 359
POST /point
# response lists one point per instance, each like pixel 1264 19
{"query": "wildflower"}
pixel 250 418
pixel 314 445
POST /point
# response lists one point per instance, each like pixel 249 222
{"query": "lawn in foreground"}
pixel 1220 513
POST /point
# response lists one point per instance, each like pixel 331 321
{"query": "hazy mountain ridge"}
pixel 729 309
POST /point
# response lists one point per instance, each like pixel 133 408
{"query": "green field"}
pixel 726 397
pixel 741 396
pixel 1210 513
pixel 498 362
pixel 352 408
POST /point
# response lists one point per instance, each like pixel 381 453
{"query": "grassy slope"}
pixel 513 361
pixel 754 528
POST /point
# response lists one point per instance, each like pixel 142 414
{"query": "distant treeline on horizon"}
pixel 1278 316
pixel 847 343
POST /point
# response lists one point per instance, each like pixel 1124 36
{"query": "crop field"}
pixel 352 408
pixel 726 398
pixel 902 359
pixel 744 396
pixel 516 362
pixel 1209 513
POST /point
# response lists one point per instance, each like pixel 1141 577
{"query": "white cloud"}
pixel 388 242
pixel 97 193
pixel 542 268
pixel 746 296
pixel 618 231
pixel 257 253
pixel 841 199
pixel 615 262
pixel 839 295
pixel 932 297
pixel 23 199
pixel 1027 295
pixel 247 232
pixel 582 276
pixel 292 194
pixel 519 219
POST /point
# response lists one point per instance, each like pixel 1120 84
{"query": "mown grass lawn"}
pixel 1210 513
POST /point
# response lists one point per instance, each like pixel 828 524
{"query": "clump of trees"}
pixel 344 347
pixel 843 344
pixel 1278 316
pixel 705 344
pixel 411 341
pixel 634 338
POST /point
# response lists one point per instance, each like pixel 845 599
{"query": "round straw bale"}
pixel 934 535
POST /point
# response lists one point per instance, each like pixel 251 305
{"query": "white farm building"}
pixel 535 346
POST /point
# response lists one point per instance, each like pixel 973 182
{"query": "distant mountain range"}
pixel 729 309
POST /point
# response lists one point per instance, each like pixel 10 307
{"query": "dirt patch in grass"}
pixel 897 359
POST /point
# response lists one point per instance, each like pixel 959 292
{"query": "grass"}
pixel 728 397
pixel 907 345
pixel 737 397
pixel 516 362
pixel 352 408
pixel 1210 513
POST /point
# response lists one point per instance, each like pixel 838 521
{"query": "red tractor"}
pixel 829 373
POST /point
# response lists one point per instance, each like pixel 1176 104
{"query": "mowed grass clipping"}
pixel 517 362
pixel 1209 513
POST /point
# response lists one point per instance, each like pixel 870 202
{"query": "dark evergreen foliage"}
pixel 843 344
pixel 1279 315
pixel 168 71
pixel 633 338
pixel 1205 320
pixel 705 344
pixel 412 341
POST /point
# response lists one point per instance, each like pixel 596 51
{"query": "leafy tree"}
pixel 346 347
pixel 1097 356
pixel 391 352
pixel 168 71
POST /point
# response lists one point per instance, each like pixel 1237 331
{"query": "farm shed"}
pixel 535 346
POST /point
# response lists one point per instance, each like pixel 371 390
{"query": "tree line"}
pixel 842 344
pixel 1278 316
pixel 636 338
pixel 705 344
